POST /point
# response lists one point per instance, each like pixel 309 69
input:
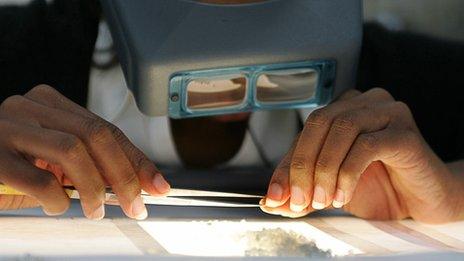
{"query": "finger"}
pixel 374 95
pixel 400 117
pixel 50 97
pixel 99 138
pixel 112 161
pixel 151 179
pixel 285 211
pixel 384 145
pixel 38 184
pixel 312 139
pixel 69 152
pixel 279 192
pixel 56 170
pixel 349 94
pixel 305 153
pixel 343 132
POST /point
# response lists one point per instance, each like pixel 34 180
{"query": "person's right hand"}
pixel 46 139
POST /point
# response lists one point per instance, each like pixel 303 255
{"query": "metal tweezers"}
pixel 189 198
pixel 176 197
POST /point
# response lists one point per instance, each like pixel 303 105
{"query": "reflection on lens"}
pixel 295 85
pixel 214 93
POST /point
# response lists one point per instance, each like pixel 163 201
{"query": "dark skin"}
pixel 365 153
pixel 48 141
pixel 44 135
pixel 364 146
pixel 208 141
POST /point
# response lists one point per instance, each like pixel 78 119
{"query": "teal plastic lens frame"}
pixel 178 94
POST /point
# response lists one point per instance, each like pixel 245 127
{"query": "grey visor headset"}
pixel 186 58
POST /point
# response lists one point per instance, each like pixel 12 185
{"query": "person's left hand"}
pixel 365 153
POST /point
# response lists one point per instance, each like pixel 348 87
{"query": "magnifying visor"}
pixel 306 84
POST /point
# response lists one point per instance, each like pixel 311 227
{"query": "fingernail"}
pixel 98 213
pixel 161 184
pixel 339 200
pixel 51 213
pixel 274 195
pixel 318 198
pixel 265 209
pixel 297 199
pixel 139 211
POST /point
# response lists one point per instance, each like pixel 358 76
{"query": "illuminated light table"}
pixel 180 233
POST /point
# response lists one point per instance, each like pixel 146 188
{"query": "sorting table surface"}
pixel 232 233
pixel 183 232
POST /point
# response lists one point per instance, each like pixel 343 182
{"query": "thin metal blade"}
pixel 190 202
pixel 204 193
pixel 112 199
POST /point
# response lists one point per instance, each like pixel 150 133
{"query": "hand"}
pixel 47 140
pixel 365 153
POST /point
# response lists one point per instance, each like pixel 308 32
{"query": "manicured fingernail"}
pixel 297 199
pixel 51 213
pixel 139 211
pixel 339 200
pixel 98 213
pixel 161 184
pixel 318 198
pixel 274 195
pixel 265 209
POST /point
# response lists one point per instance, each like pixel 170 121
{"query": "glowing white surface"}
pixel 225 238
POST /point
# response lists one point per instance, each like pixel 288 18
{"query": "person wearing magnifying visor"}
pixel 219 83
